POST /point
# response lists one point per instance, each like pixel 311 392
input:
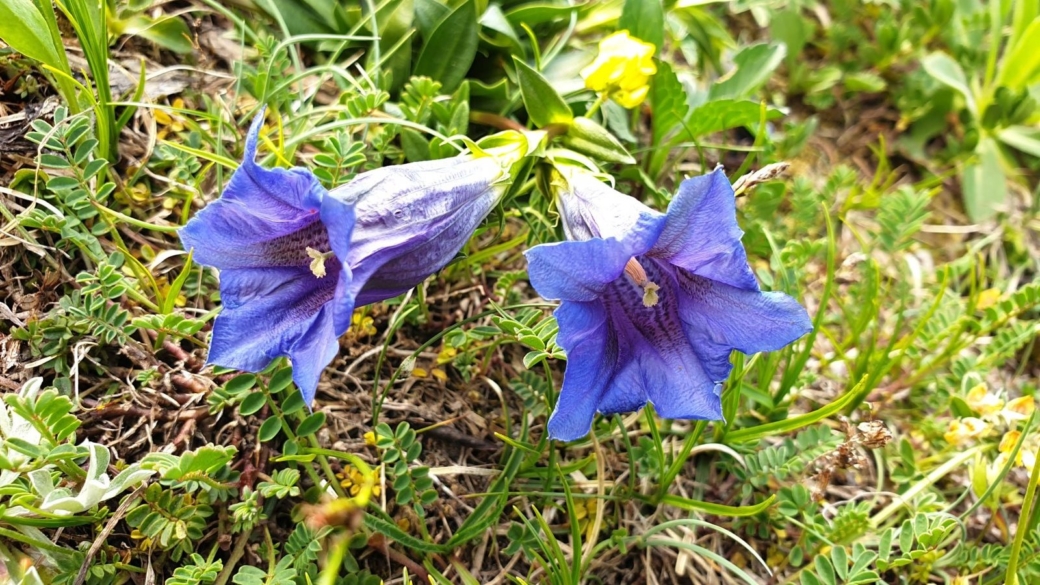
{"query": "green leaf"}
pixel 725 114
pixel 416 147
pixel 427 14
pixel 311 424
pixel 26 31
pixel 1021 67
pixel 865 81
pixel 269 429
pixel 794 31
pixel 644 19
pixel 448 53
pixel 544 105
pixel 983 182
pixel 754 65
pixel 390 530
pixel 535 13
pixel 718 509
pixel 1022 138
pixel 947 71
pixel 252 404
pixel 168 32
pixel 667 102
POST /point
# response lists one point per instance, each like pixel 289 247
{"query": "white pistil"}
pixel 634 270
pixel 318 261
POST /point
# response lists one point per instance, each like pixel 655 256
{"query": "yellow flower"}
pixel 987 298
pixel 983 401
pixel 622 69
pixel 1020 408
pixel 1008 442
pixel 370 439
pixel 169 122
pixel 965 430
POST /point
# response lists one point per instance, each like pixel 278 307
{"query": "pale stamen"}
pixel 634 270
pixel 318 261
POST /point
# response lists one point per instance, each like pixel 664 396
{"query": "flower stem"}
pixel 1011 577
pixel 596 105
pixel 495 121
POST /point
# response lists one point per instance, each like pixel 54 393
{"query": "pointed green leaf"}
pixel 449 51
pixel 544 105
pixel 644 19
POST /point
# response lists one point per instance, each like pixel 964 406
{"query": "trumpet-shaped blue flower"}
pixel 652 304
pixel 295 259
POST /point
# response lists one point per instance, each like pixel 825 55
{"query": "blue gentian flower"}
pixel 295 259
pixel 652 304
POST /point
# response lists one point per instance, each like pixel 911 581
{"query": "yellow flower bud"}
pixel 622 69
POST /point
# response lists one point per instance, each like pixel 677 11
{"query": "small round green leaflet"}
pixel 311 424
pixel 252 404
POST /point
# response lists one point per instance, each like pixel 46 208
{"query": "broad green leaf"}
pixel 427 14
pixel 644 19
pixel 983 182
pixel 396 23
pixel 544 105
pixel 724 114
pixel 754 65
pixel 1021 67
pixel 311 424
pixel 252 404
pixel 269 429
pixel 865 81
pixel 26 31
pixel 416 146
pixel 790 28
pixel 448 53
pixel 539 13
pixel 495 20
pixel 947 71
pixel 667 102
pixel 1022 138
pixel 169 32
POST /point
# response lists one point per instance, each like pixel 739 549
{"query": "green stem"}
pixel 45 545
pixel 333 563
pixel 292 436
pixel 1011 577
pixel 596 105
pixel 936 474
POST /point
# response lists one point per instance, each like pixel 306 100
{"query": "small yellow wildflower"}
pixel 1008 442
pixel 439 374
pixel 965 430
pixel 353 483
pixel 622 69
pixel 1020 408
pixel 370 439
pixel 982 401
pixel 446 354
pixel 362 325
pixel 169 122
pixel 987 298
pixel 420 373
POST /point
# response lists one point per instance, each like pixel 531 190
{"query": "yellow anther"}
pixel 318 261
pixel 634 270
